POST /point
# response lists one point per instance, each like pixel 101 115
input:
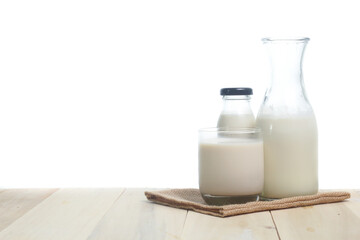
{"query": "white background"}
pixel 111 93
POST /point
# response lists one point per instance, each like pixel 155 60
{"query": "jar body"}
pixel 288 125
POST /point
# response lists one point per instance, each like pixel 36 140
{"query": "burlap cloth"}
pixel 191 199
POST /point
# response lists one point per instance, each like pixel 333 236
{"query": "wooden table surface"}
pixel 91 214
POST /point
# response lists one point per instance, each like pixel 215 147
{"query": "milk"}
pixel 290 155
pixel 231 167
pixel 236 120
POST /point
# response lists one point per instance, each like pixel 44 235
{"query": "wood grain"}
pixel 16 202
pixel 90 214
pixel 249 226
pixel 327 221
pixel 66 214
pixel 132 217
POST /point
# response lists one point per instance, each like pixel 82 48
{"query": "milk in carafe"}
pixel 290 150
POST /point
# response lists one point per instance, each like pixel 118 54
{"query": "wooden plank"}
pixel 249 226
pixel 354 203
pixel 16 202
pixel 327 221
pixel 133 217
pixel 66 214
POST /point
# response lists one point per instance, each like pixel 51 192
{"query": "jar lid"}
pixel 236 91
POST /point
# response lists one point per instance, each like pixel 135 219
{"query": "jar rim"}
pixel 231 130
pixel 295 39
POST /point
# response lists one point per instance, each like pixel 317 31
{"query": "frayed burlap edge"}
pixel 190 199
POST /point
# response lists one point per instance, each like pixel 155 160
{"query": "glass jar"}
pixel 236 112
pixel 288 124
pixel 231 165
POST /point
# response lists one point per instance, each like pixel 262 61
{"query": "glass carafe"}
pixel 288 124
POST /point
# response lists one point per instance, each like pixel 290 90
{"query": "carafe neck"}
pixel 286 67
